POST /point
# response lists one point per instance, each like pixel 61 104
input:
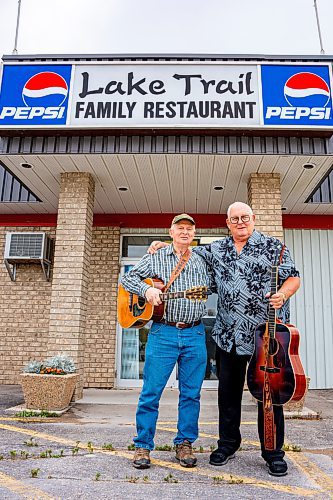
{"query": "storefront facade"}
pixel 99 153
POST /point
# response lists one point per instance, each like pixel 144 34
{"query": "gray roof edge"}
pixel 165 144
pixel 160 57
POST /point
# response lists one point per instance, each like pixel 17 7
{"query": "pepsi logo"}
pixel 306 89
pixel 45 89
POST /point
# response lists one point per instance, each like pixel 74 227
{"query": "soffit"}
pixel 168 183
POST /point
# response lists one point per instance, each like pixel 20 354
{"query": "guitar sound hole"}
pixel 141 302
pixel 137 311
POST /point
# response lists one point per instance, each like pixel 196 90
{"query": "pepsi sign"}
pixel 34 95
pixel 296 95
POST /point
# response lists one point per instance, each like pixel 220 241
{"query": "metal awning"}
pixel 13 190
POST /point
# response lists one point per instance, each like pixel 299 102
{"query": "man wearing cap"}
pixel 179 338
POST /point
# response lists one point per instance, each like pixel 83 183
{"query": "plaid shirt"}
pixel 242 282
pixel 161 265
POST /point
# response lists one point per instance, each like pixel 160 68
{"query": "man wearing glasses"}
pixel 242 264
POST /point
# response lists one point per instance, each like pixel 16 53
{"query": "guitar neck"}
pixel 271 310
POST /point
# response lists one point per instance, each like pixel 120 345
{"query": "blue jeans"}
pixel 166 346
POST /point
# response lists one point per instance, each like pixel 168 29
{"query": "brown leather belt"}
pixel 181 325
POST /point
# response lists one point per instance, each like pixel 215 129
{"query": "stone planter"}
pixel 48 392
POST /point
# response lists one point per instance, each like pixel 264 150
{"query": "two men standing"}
pixel 242 266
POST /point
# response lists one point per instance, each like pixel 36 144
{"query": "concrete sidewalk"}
pixel 84 453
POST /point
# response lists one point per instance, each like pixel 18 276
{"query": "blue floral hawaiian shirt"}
pixel 242 281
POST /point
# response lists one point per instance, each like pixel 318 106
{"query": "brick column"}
pixel 71 269
pixel 264 194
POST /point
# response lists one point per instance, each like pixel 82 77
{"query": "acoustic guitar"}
pixel 275 361
pixel 134 311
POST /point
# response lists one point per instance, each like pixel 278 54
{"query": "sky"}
pixel 166 26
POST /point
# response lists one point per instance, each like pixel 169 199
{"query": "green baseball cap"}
pixel 180 217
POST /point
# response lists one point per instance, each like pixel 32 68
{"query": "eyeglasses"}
pixel 242 218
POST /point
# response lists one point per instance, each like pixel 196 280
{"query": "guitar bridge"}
pixel 269 369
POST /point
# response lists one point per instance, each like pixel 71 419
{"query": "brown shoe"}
pixel 141 458
pixel 185 455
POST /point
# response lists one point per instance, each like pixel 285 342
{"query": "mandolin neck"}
pixel 172 295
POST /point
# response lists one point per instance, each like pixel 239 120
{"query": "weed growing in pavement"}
pixel 90 447
pixel 234 480
pixel 107 446
pixel 131 447
pixel 132 479
pixel 1 457
pixel 201 449
pixel 170 479
pixel 75 451
pixel 24 454
pixel 49 454
pixel 164 447
pixel 223 479
pixel 145 479
pixel 13 454
pixel 34 472
pixel 30 442
pixel 212 447
pixel 291 447
pixel 43 413
pixel 97 476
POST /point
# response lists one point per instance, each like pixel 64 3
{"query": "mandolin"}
pixel 134 311
pixel 275 363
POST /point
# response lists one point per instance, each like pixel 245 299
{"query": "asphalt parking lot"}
pixel 84 453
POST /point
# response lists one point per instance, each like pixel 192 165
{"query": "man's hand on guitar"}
pixel 156 245
pixel 153 296
pixel 276 300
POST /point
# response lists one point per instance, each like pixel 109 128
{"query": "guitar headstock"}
pixel 197 293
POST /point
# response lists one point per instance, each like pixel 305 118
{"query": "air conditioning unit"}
pixel 26 248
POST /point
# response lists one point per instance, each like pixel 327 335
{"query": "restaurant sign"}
pixel 165 95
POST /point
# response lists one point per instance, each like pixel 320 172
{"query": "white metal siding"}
pixel 312 306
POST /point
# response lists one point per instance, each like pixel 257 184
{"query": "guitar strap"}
pixel 176 272
pixel 178 268
pixel 269 424
pixel 281 254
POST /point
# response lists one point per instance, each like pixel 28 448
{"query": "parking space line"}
pixel 24 490
pixel 312 471
pixel 170 465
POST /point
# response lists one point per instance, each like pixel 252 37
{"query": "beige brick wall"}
pixel 24 313
pixel 264 195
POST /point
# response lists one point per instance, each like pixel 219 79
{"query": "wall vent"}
pixel 26 248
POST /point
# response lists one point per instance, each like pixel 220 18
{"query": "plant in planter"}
pixel 49 385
